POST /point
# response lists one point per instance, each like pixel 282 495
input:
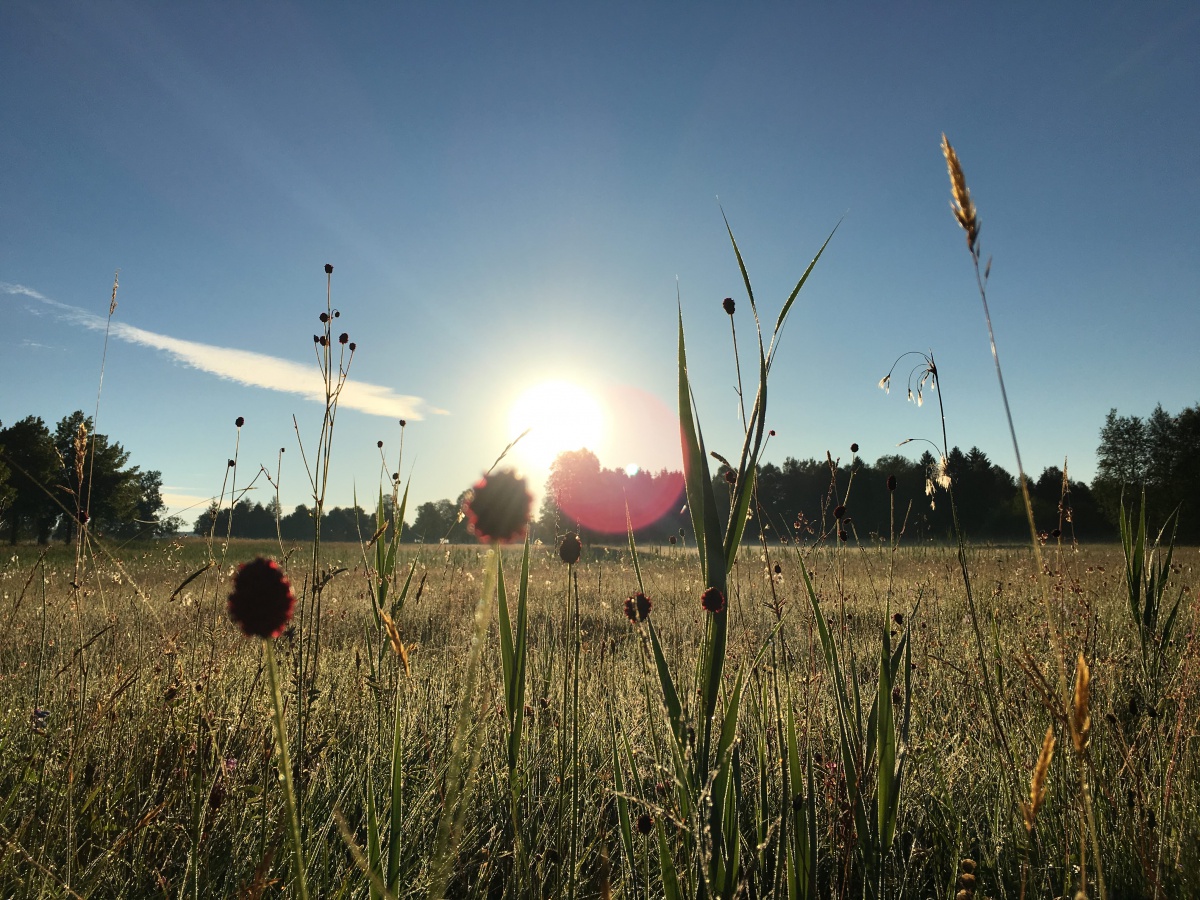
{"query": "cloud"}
pixel 245 366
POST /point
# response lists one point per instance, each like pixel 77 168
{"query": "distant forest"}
pixel 52 483
pixel 811 500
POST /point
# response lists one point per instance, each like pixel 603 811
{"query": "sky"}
pixel 519 194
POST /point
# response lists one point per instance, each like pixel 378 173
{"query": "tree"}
pixel 437 521
pixel 34 466
pixel 97 485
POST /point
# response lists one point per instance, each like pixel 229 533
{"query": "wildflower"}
pixel 645 823
pixel 713 601
pixel 343 338
pixel 328 269
pixel 838 512
pixel 323 341
pixel 891 482
pixel 262 600
pixel 570 548
pixel 324 317
pixel 637 608
pixel 730 476
pixel 778 569
pixel 403 423
pixel 672 540
pixel 843 536
pixel 239 422
pixel 728 305
pixel 854 448
pixel 353 346
pixel 498 507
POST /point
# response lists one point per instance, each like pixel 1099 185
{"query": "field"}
pixel 139 758
pixel 813 716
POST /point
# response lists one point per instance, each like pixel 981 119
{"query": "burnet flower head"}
pixel 262 601
pixel 498 507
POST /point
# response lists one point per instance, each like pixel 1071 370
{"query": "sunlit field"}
pixel 148 767
pixel 811 714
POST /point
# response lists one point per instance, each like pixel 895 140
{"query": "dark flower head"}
pixel 672 539
pixel 839 511
pixel 778 568
pixel 328 269
pixel 731 476
pixel 239 421
pixel 498 507
pixel 353 346
pixel 854 448
pixel 232 463
pixel 570 548
pixel 843 536
pixel 324 317
pixel 637 608
pixel 316 340
pixel 379 444
pixel 898 618
pixel 713 601
pixel 343 338
pixel 728 305
pixel 262 600
pixel 645 824
pixel 323 340
pixel 403 423
pixel 891 482
pixel 337 313
pixel 771 433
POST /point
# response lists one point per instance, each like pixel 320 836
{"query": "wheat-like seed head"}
pixel 961 203
pixel 81 437
pixel 1037 784
pixel 1081 717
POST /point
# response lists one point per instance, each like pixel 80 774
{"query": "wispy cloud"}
pixel 244 366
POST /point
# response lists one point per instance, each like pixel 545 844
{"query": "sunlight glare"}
pixel 561 416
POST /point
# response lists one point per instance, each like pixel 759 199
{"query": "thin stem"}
pixel 285 772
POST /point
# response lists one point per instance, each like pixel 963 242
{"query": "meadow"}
pixel 815 715
pixel 138 757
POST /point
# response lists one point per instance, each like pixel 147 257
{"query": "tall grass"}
pixel 801 719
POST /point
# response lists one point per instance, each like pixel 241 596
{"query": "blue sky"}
pixel 513 193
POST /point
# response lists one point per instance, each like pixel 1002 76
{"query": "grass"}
pixel 789 720
pixel 150 772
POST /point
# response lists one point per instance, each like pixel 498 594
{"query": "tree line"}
pixel 54 482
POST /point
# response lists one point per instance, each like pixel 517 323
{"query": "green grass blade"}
pixel 373 849
pixel 624 821
pixel 667 685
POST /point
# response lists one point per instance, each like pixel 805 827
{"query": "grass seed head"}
pixel 961 203
pixel 1081 716
pixel 1037 783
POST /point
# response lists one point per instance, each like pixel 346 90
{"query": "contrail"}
pixel 245 366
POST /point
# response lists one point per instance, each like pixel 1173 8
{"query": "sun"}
pixel 559 416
